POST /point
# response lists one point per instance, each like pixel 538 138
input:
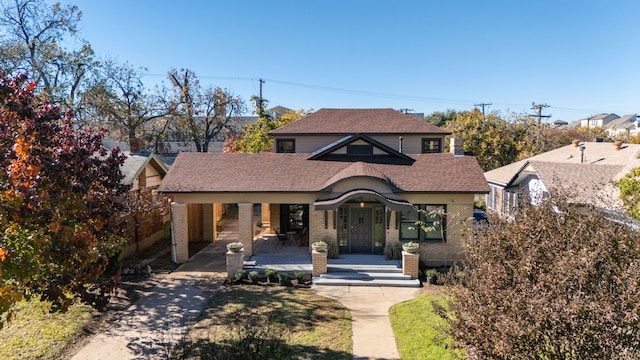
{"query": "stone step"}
pixel 361 275
pixel 364 268
pixel 368 282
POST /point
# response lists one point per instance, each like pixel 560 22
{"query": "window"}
pixel 432 216
pixel 431 146
pixel 285 145
pixel 510 202
pixel 491 199
pixel 360 149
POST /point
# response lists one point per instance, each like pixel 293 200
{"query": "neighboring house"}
pixel 600 120
pixel 624 127
pixel 586 170
pixel 144 173
pixel 354 176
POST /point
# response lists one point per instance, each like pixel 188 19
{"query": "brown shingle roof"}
pixel 354 121
pixel 270 172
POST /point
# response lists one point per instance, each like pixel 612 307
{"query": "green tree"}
pixel 549 285
pixel 60 196
pixel 492 140
pixel 255 137
pixel 440 118
pixel 202 114
pixel 630 192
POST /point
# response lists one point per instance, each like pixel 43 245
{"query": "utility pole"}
pixel 260 99
pixel 482 105
pixel 539 107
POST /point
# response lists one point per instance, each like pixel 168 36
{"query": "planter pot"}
pixel 617 144
pixel 411 250
pixel 319 248
pixel 431 280
pixel 234 249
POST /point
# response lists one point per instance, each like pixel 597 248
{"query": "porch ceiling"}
pixel 332 204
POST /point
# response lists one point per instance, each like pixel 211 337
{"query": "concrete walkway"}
pixel 369 306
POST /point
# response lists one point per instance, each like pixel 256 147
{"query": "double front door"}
pixel 362 230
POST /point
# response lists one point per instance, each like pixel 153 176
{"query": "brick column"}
pixel 411 264
pixel 319 262
pixel 235 262
pixel 245 226
pixel 266 217
pixel 179 233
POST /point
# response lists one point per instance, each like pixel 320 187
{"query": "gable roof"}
pixel 595 154
pixel 269 172
pixel 134 164
pixel 358 121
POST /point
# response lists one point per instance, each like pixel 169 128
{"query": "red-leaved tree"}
pixel 60 196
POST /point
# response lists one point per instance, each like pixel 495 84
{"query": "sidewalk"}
pixel 369 306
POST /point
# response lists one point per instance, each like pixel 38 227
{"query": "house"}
pixel 144 173
pixel 600 120
pixel 624 127
pixel 353 176
pixel 586 169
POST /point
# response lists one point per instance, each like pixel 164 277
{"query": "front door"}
pixel 360 239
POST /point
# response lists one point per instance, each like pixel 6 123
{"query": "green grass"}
pixel 419 332
pixel 35 333
pixel 293 323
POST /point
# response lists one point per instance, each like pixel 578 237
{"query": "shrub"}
pixel 272 275
pixel 253 277
pixel 241 275
pixel 393 251
pixel 333 250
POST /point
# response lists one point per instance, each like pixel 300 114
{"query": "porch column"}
pixel 207 222
pixel 245 227
pixel 266 218
pixel 179 233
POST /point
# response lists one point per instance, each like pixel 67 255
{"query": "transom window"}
pixel 285 145
pixel 431 216
pixel 365 149
pixel 431 146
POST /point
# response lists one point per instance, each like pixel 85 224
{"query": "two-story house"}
pixel 354 176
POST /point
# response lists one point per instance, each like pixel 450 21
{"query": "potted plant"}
pixel 431 275
pixel 320 246
pixel 235 247
pixel 617 144
pixel 410 247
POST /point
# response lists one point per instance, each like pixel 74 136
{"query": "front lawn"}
pixel 420 332
pixel 274 322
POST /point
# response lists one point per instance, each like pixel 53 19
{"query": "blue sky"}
pixel 580 57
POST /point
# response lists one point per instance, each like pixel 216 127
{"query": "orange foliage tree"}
pixel 60 196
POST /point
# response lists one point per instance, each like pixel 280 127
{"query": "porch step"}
pixel 365 275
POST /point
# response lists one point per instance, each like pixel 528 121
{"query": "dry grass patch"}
pixel 249 322
pixel 36 333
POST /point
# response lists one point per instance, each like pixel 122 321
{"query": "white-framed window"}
pixel 491 197
pixel 510 202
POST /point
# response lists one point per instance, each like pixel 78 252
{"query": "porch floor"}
pixel 270 253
